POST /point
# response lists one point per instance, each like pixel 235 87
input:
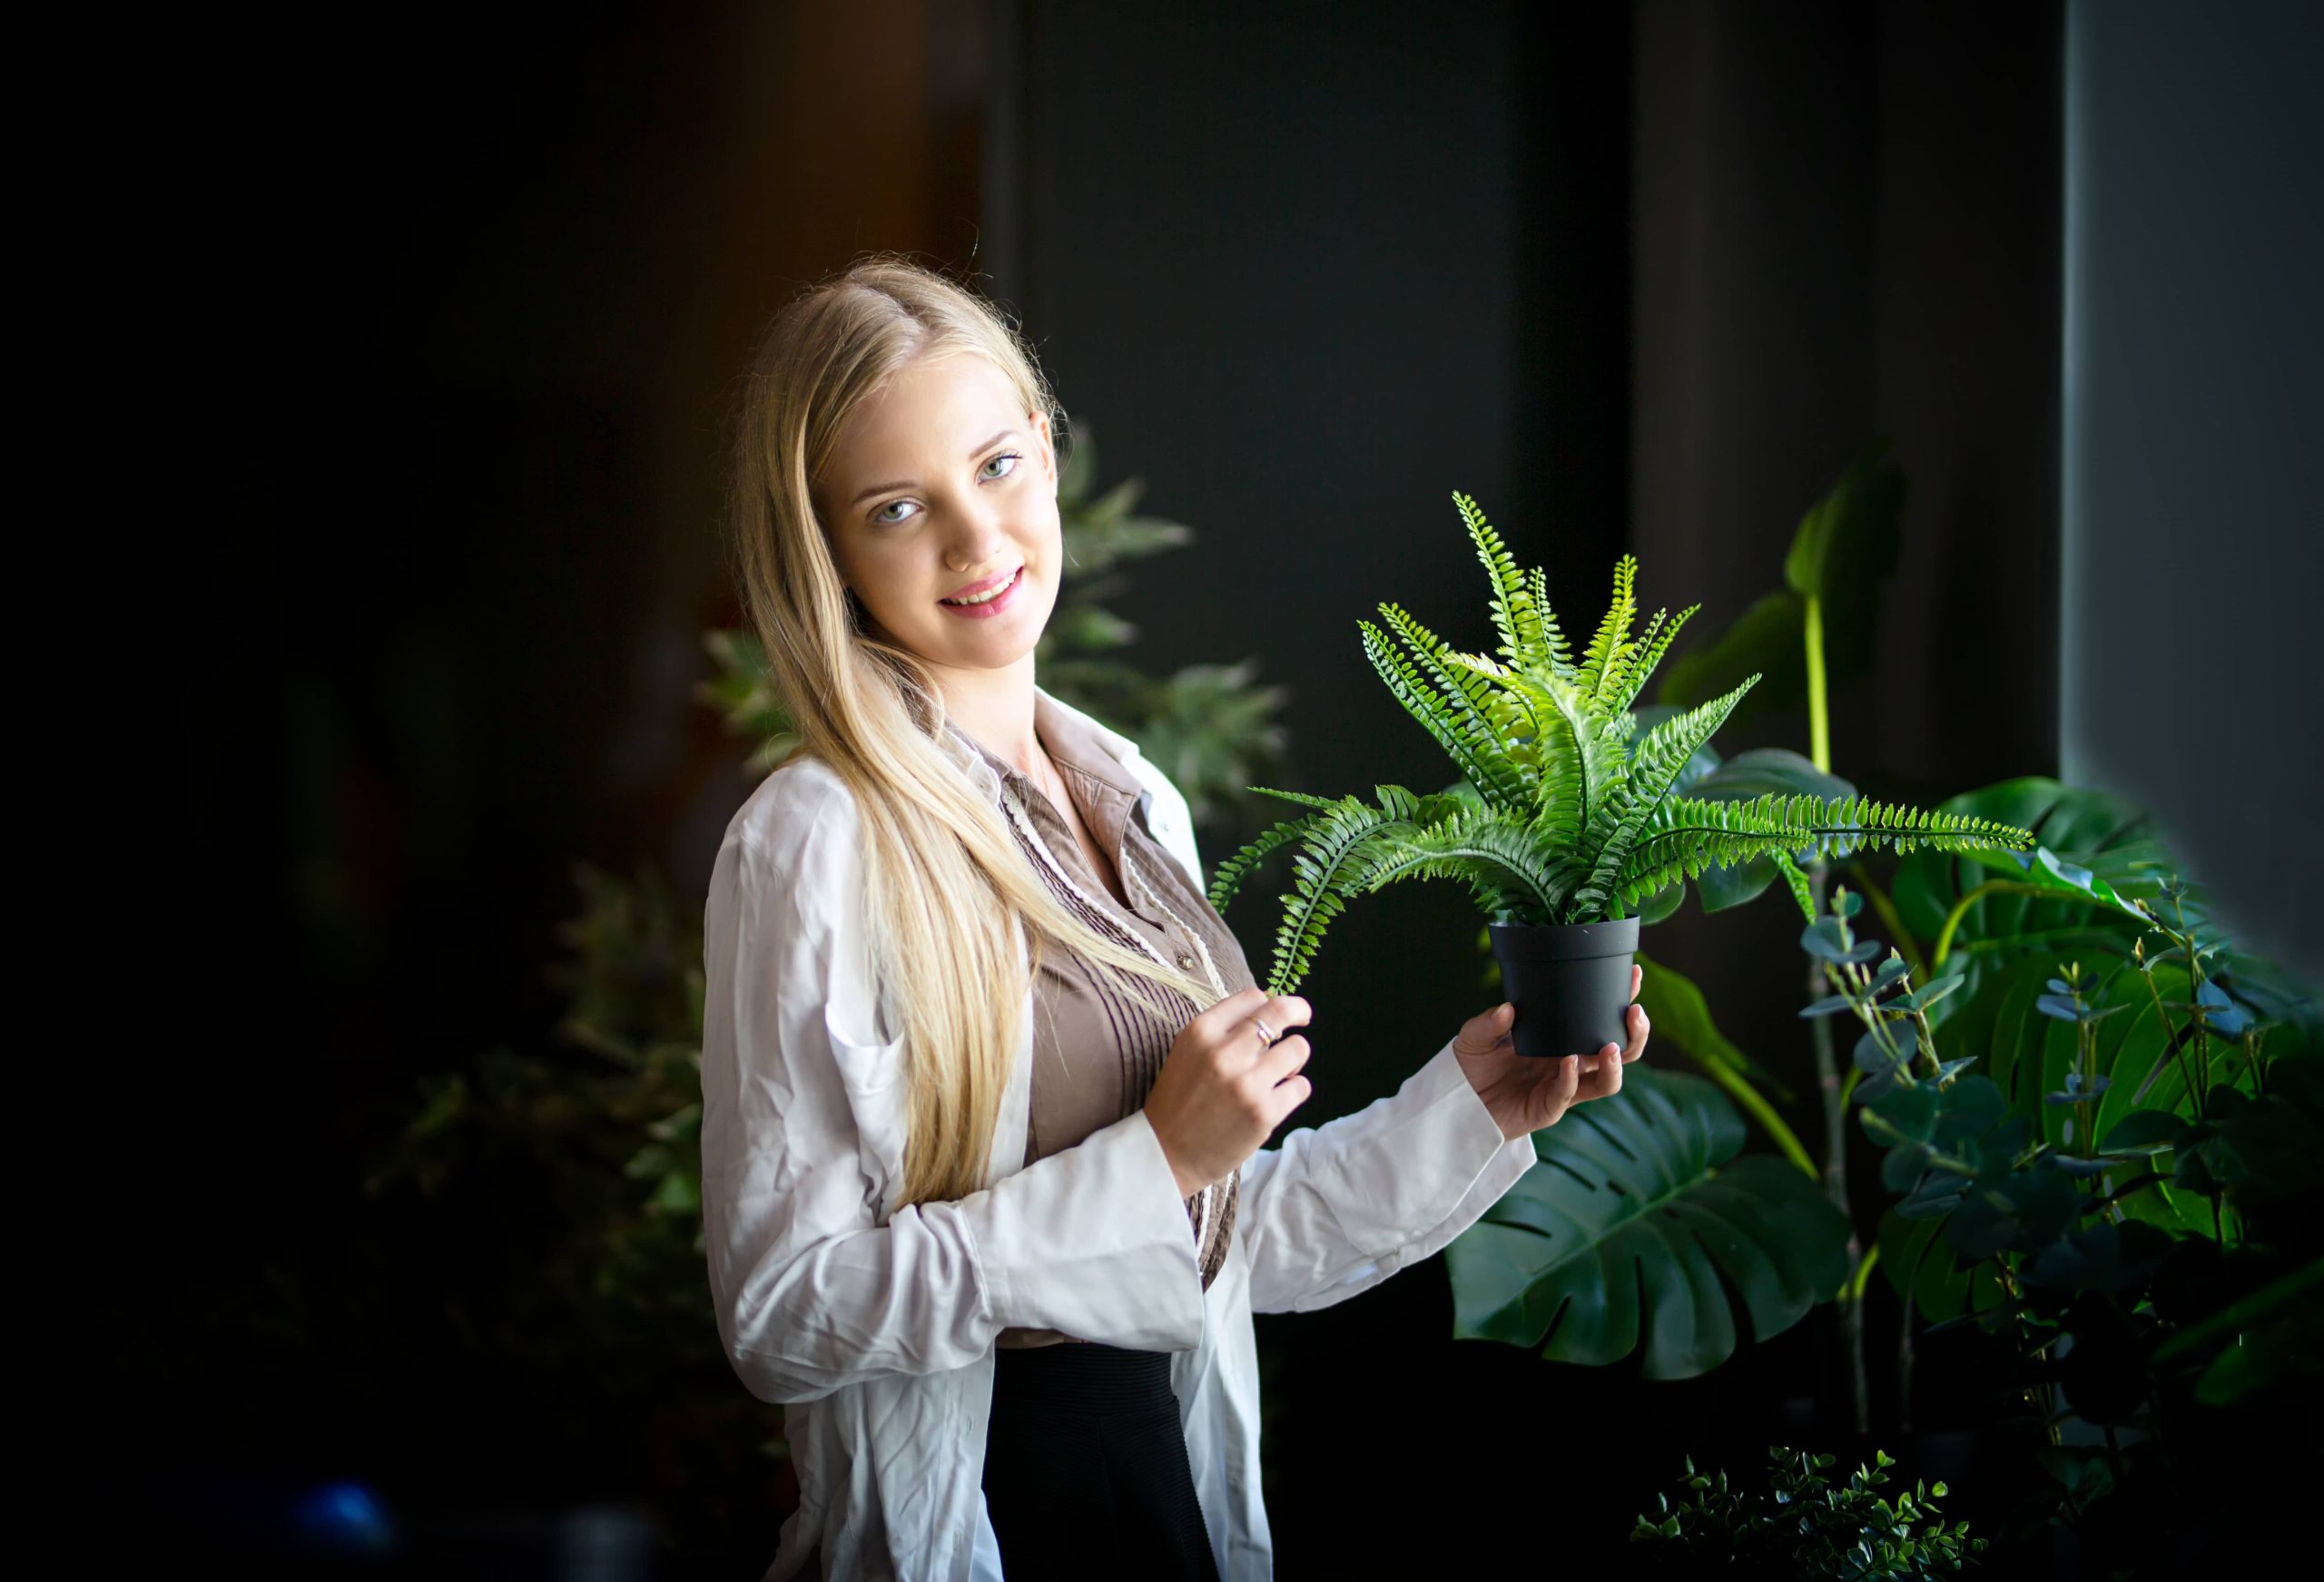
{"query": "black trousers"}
pixel 1085 1468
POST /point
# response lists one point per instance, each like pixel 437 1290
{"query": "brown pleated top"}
pixel 1095 1050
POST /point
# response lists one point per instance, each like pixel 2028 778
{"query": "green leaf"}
pixel 1618 1239
pixel 1764 640
pixel 1845 548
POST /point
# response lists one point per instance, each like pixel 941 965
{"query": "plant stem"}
pixel 1835 1156
pixel 1740 1088
pixel 1904 1367
pixel 2170 1040
pixel 1943 945
pixel 1819 725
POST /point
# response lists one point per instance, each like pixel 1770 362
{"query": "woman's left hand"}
pixel 1525 1093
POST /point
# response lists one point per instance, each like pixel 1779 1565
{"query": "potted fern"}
pixel 1569 821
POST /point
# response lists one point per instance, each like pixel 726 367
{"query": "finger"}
pixel 1287 1057
pixel 1637 977
pixel 1489 1030
pixel 1220 1019
pixel 1286 1096
pixel 1602 1083
pixel 1284 1011
pixel 1641 1026
pixel 1567 1082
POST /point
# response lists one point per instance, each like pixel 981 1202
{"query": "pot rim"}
pixel 1564 941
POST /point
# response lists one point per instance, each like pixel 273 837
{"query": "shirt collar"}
pixel 1071 737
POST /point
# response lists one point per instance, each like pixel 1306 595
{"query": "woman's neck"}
pixel 996 708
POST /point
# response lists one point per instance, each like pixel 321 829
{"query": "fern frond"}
pixel 1467 736
pixel 1320 872
pixel 1615 823
pixel 1687 835
pixel 1232 872
pixel 1302 798
pixel 1483 664
pixel 1650 650
pixel 1582 754
pixel 1524 876
pixel 1512 613
pixel 1556 656
pixel 1604 655
pixel 1511 716
pixel 1472 714
pixel 1851 824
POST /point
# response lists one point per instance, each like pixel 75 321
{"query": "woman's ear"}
pixel 1040 421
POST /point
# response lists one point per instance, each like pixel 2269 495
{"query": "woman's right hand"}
pixel 1223 1090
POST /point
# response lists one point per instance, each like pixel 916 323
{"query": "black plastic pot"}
pixel 1569 982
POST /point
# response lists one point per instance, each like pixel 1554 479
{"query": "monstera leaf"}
pixel 1624 1231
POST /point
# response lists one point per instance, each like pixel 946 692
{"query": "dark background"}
pixel 449 312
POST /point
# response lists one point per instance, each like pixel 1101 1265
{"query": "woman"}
pixel 984 1078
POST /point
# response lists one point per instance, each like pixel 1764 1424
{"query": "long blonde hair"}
pixel 953 907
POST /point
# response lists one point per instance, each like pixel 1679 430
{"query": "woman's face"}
pixel 941 489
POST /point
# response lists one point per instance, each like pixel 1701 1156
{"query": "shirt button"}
pixel 1186 962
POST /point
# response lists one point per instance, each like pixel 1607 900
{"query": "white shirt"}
pixel 876 1330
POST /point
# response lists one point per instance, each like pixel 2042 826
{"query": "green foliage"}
pixel 586 1160
pixel 1624 1233
pixel 1804 1526
pixel 1844 548
pixel 1212 728
pixel 616 1124
pixel 2109 1161
pixel 1572 807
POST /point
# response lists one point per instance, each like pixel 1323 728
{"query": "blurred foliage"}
pixel 1845 549
pixel 585 1159
pixel 1211 728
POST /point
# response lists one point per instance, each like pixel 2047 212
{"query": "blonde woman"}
pixel 985 1079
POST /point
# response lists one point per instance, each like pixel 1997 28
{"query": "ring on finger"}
pixel 1266 1034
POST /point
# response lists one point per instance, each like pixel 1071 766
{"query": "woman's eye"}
pixel 881 517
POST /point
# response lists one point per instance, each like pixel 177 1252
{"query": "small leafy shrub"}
pixel 1804 1526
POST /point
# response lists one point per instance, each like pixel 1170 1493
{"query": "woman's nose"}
pixel 975 541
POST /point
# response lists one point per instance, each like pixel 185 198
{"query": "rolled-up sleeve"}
pixel 1335 1209
pixel 804 1105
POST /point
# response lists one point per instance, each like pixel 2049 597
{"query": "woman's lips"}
pixel 992 607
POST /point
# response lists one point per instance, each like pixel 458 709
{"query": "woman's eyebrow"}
pixel 863 495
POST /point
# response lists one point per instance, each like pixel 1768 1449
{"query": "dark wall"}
pixel 2194 483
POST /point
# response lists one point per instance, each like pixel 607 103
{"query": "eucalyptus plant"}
pixel 2105 1128
pixel 1566 811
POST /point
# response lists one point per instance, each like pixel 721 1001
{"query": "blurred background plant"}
pixel 590 1151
